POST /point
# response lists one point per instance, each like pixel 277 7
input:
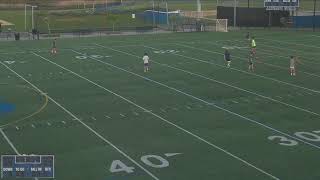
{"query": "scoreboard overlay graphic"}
pixel 27 166
pixel 288 5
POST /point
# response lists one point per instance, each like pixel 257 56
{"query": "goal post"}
pixel 213 25
pixel 203 25
pixel 221 25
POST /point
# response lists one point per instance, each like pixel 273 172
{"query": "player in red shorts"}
pixel 54 47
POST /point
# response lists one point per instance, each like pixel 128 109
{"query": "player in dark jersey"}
pixel 248 36
pixel 227 57
pixel 251 57
pixel 54 47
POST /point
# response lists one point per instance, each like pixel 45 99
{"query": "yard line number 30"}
pixel 313 136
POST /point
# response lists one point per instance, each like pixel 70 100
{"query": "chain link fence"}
pixel 52 18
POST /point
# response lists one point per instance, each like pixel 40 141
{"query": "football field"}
pixel 189 118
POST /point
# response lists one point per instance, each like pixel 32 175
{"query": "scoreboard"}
pixel 27 166
pixel 287 5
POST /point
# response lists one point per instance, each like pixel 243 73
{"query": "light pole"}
pixel 314 14
pixel 235 14
pixel 167 12
pixel 153 16
pixel 199 9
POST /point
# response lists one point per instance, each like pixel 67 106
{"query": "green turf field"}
pixel 189 118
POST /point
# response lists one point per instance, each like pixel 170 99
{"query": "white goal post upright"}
pixel 25 15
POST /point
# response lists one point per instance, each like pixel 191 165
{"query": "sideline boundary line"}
pixel 163 119
pixel 235 87
pixel 239 70
pixel 203 101
pixel 11 145
pixel 276 65
pixel 84 124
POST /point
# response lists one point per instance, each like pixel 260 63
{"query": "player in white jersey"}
pixel 146 62
pixel 292 65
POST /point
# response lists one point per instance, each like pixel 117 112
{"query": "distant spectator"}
pixel 248 36
pixel 34 32
pixel 17 36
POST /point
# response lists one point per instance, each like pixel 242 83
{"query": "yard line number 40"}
pixel 153 161
pixel 313 136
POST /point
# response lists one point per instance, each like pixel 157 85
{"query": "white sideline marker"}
pixel 246 100
pixel 93 118
pixel 86 126
pixel 236 102
pixel 315 36
pixel 9 62
pixel 172 154
pixel 175 125
pixel 122 115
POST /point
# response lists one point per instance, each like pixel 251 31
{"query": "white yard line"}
pixel 39 50
pixel 163 119
pixel 290 43
pixel 239 70
pixel 314 36
pixel 191 96
pixel 81 122
pixel 11 144
pixel 264 51
pixel 281 67
pixel 235 87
